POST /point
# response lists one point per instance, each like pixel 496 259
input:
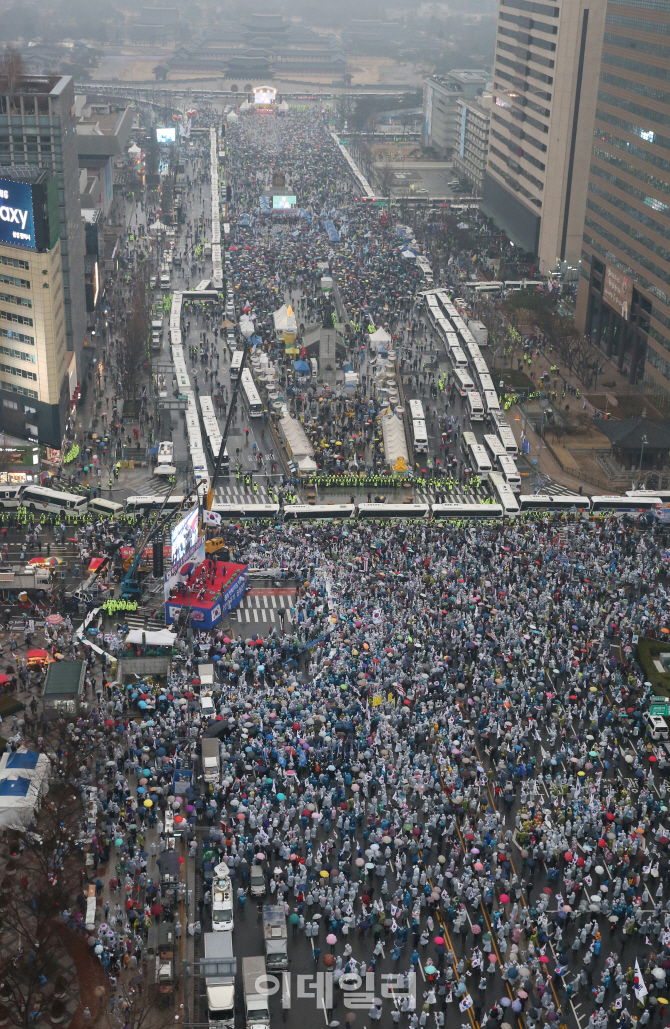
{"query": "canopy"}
pixel 380 336
pixel 232 117
pixel 24 775
pixel 307 465
pixel 301 366
pixel 293 434
pixel 156 227
pixel 395 447
pixel 134 150
pixel 159 638
pixel 280 318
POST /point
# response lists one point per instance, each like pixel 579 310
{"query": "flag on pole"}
pixel 641 990
pixel 211 518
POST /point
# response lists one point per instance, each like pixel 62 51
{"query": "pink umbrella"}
pixel 504 899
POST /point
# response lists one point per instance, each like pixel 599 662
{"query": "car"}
pixel 657 727
pixel 257 881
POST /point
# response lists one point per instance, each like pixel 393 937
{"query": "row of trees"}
pixel 568 346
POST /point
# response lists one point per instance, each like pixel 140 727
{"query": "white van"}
pixel 106 508
pixel 479 460
pixel 464 383
pixel 165 279
pixel 507 466
pixel 657 726
pixel 475 407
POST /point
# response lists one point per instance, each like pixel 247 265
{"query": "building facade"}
pixel 473 142
pixel 37 372
pixel 623 300
pixel 442 95
pixel 37 136
pixel 545 81
pixel 37 127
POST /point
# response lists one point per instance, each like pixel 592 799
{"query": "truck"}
pixel 211 760
pixel 275 936
pixel 256 998
pixel 220 987
pixel 28 579
pixel 222 899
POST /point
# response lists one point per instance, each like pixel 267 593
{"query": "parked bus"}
pixel 505 494
pixel 480 462
pixel 468 441
pixel 40 498
pixel 475 407
pixel 235 364
pixel 153 502
pixel 306 512
pixel 458 358
pixel 251 396
pixel 491 402
pixel 418 424
pixel 464 383
pixel 392 511
pixel 446 511
pixel 494 446
pixel 507 466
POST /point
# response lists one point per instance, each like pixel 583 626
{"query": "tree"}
pixel 385 177
pixel 12 68
pixel 135 334
pixel 160 72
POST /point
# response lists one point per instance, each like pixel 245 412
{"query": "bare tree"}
pixel 12 68
pixel 134 341
pixel 385 177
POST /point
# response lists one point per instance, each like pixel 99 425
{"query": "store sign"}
pixel 17 225
pixel 618 291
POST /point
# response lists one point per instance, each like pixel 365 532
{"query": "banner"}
pixel 182 571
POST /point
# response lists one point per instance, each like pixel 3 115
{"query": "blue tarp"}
pixel 14 787
pixel 26 760
pixel 333 234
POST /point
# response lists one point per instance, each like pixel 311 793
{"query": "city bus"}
pixel 505 494
pixel 494 446
pixel 235 364
pixel 306 512
pixel 392 511
pixel 475 407
pixel 250 395
pixel 464 383
pixel 480 462
pixel 418 424
pixel 507 466
pixel 637 503
pixel 450 511
pixel 237 511
pixel 153 502
pixel 40 498
pixel 491 402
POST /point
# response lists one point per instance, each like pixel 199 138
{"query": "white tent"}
pixel 307 465
pixel 395 446
pixel 245 105
pixel 232 117
pixel 24 776
pixel 380 336
pixel 293 435
pixel 280 318
pixel 134 150
pixel 158 226
pixel 159 638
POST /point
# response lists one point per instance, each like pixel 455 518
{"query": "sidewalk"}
pixel 546 463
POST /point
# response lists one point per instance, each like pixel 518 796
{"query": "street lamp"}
pixel 644 442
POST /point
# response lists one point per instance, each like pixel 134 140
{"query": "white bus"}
pixel 507 466
pixel 393 510
pixel 235 364
pixel 475 407
pixel 105 508
pixel 508 441
pixel 494 446
pixel 491 402
pixel 505 494
pixel 458 358
pixel 153 502
pixel 486 383
pixel 480 462
pixel 636 503
pixel 251 395
pixel 464 383
pixel 468 441
pixel 418 423
pixel 39 498
pixel 9 496
pixel 309 512
pixel 448 511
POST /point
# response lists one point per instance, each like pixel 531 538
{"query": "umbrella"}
pixel 294 918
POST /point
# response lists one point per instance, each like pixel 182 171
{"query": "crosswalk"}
pixel 138 622
pixel 457 495
pixel 557 489
pixel 265 610
pixel 153 485
pixel 234 494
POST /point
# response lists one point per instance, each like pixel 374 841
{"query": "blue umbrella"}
pixel 142 704
pixel 161 751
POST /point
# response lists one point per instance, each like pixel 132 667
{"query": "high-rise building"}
pixel 37 129
pixel 473 142
pixel 441 108
pixel 623 300
pixel 545 79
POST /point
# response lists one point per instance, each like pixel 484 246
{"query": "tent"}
pixel 333 234
pixel 395 446
pixel 159 638
pixel 231 117
pixel 380 336
pixel 301 366
pixel 293 435
pixel 24 777
pixel 134 150
pixel 158 226
pixel 280 318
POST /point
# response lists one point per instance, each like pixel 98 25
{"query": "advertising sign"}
pixel 283 203
pixel 618 291
pixel 183 569
pixel 185 535
pixel 17 222
pixel 166 134
pixel 234 593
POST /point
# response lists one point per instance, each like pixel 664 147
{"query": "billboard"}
pixel 283 203
pixel 184 568
pixel 17 219
pixel 618 290
pixel 166 134
pixel 185 535
pixel 264 95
